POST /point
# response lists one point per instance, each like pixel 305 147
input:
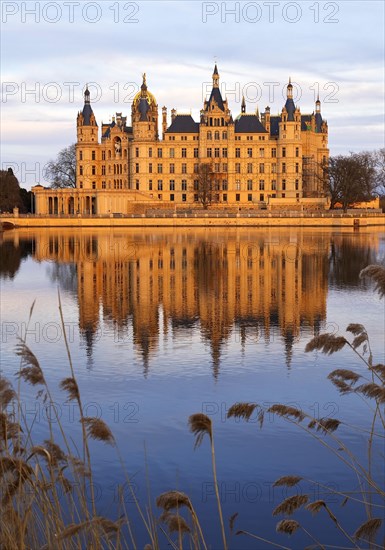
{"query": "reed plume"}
pixel 287 481
pixel 286 411
pixel 288 526
pixel 377 274
pixel 98 429
pixel 200 424
pixel 368 529
pixel 290 505
pixel 327 343
pixel 242 410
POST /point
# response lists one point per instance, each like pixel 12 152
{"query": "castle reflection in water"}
pixel 233 284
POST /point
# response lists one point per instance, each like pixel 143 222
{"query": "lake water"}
pixel 166 323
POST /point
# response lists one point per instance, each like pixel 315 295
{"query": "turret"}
pixel 164 121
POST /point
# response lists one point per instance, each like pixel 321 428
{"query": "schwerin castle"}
pixel 254 161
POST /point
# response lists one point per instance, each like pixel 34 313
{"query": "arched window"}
pixel 209 135
pixel 216 135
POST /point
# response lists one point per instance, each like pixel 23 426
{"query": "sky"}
pixel 51 50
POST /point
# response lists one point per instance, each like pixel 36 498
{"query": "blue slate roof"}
pixel 216 94
pixel 87 112
pixel 184 124
pixel 274 128
pixel 290 108
pixel 248 124
pixel 305 120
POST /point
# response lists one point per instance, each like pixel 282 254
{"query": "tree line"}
pixel 345 180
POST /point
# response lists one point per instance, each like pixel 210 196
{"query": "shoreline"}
pixel 210 220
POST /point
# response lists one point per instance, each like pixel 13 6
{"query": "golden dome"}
pixel 144 93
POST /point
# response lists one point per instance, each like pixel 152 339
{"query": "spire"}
pixel 257 113
pixel 243 106
pixel 215 77
pixel 289 91
pixel 87 95
pixel 318 105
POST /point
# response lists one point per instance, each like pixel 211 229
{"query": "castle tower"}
pixel 86 146
pixel 144 115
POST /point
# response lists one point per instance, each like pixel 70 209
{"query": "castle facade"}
pixel 252 161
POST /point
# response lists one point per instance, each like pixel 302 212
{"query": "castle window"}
pixel 150 152
pixel 196 185
pixel 249 185
pixel 216 135
pixel 216 152
pixel 80 155
pixel 238 185
pixel 137 168
pixel 196 198
pixel 224 152
pixel 209 135
pixel 261 197
pixel 137 185
pixel 274 168
pixel 172 185
pixel 160 153
pixel 296 185
pixel 224 187
pixel 274 152
pixel 237 152
pixel 103 170
pixel 224 197
pixel 184 185
pixel 274 185
pixel 81 185
pixel 261 152
pixel 171 196
pixel 249 152
pixel 172 153
pixel 94 185
pixel 93 170
pixel 160 196
pixel 224 167
pixel 217 167
pixel 249 197
pixel 283 185
pixel 184 168
pixel 237 197
pixel 209 152
pixel 296 168
pixel 184 197
pixel 160 185
pixel 172 168
pixel 93 155
pixel 150 168
pixel 196 152
pixel 103 155
pixel 184 152
pixel 150 185
pixel 136 151
pixel 109 154
pixel 261 168
pixel 284 151
pixel 224 135
pixel 249 167
pixel 160 168
pixel 237 167
pixel 261 185
pixel 80 170
pixel 103 184
pixel 284 168
pixel 196 168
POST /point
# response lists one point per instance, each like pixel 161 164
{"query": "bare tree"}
pixel 62 171
pixel 207 194
pixel 350 179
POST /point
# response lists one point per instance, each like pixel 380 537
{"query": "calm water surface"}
pixel 166 323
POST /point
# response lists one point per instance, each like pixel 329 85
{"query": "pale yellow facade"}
pixel 254 160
